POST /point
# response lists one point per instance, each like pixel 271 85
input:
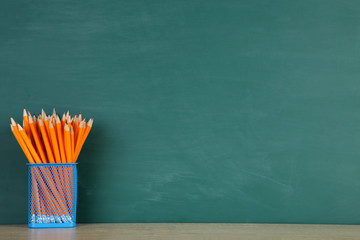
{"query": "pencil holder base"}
pixel 51 225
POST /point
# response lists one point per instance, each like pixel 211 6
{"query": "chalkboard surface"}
pixel 204 111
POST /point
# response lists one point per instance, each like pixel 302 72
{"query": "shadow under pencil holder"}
pixel 52 195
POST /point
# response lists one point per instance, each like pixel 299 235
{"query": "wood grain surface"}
pixel 184 231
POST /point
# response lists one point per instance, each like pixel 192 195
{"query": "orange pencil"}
pixel 63 121
pixel 53 121
pixel 75 124
pixel 26 124
pixel 38 144
pixel 60 136
pixel 58 172
pixel 46 141
pixel 67 141
pixel 72 136
pixel 88 128
pixel 46 124
pixel 43 117
pixel 45 121
pixel 29 144
pixel 86 133
pixel 79 121
pixel 79 139
pixel 32 136
pixel 25 121
pixel 54 143
pixel 69 121
pixel 36 122
pixel 22 144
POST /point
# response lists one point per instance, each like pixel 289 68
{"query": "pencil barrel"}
pixel 52 195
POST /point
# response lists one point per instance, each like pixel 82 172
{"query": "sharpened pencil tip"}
pixel 13 122
pixel 19 127
pixel 90 122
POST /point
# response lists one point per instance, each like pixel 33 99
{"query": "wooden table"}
pixel 185 231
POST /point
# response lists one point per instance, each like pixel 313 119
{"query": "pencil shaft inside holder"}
pixel 52 194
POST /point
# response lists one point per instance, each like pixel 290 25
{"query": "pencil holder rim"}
pixel 51 164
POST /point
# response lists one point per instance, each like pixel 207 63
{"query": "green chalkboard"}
pixel 204 111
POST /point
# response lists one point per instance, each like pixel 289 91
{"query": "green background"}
pixel 204 111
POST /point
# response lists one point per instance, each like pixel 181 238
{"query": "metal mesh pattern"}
pixel 52 193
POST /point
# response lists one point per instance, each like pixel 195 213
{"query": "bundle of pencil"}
pixel 47 139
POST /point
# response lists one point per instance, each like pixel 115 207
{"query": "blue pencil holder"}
pixel 52 195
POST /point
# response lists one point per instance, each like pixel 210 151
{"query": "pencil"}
pixel 29 144
pixel 63 121
pixel 75 125
pixel 26 123
pixel 46 141
pixel 79 139
pixel 72 136
pixel 22 144
pixel 67 141
pixel 37 140
pixel 54 143
pixel 86 133
pixel 60 136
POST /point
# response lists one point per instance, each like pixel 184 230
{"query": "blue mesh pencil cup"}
pixel 52 195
